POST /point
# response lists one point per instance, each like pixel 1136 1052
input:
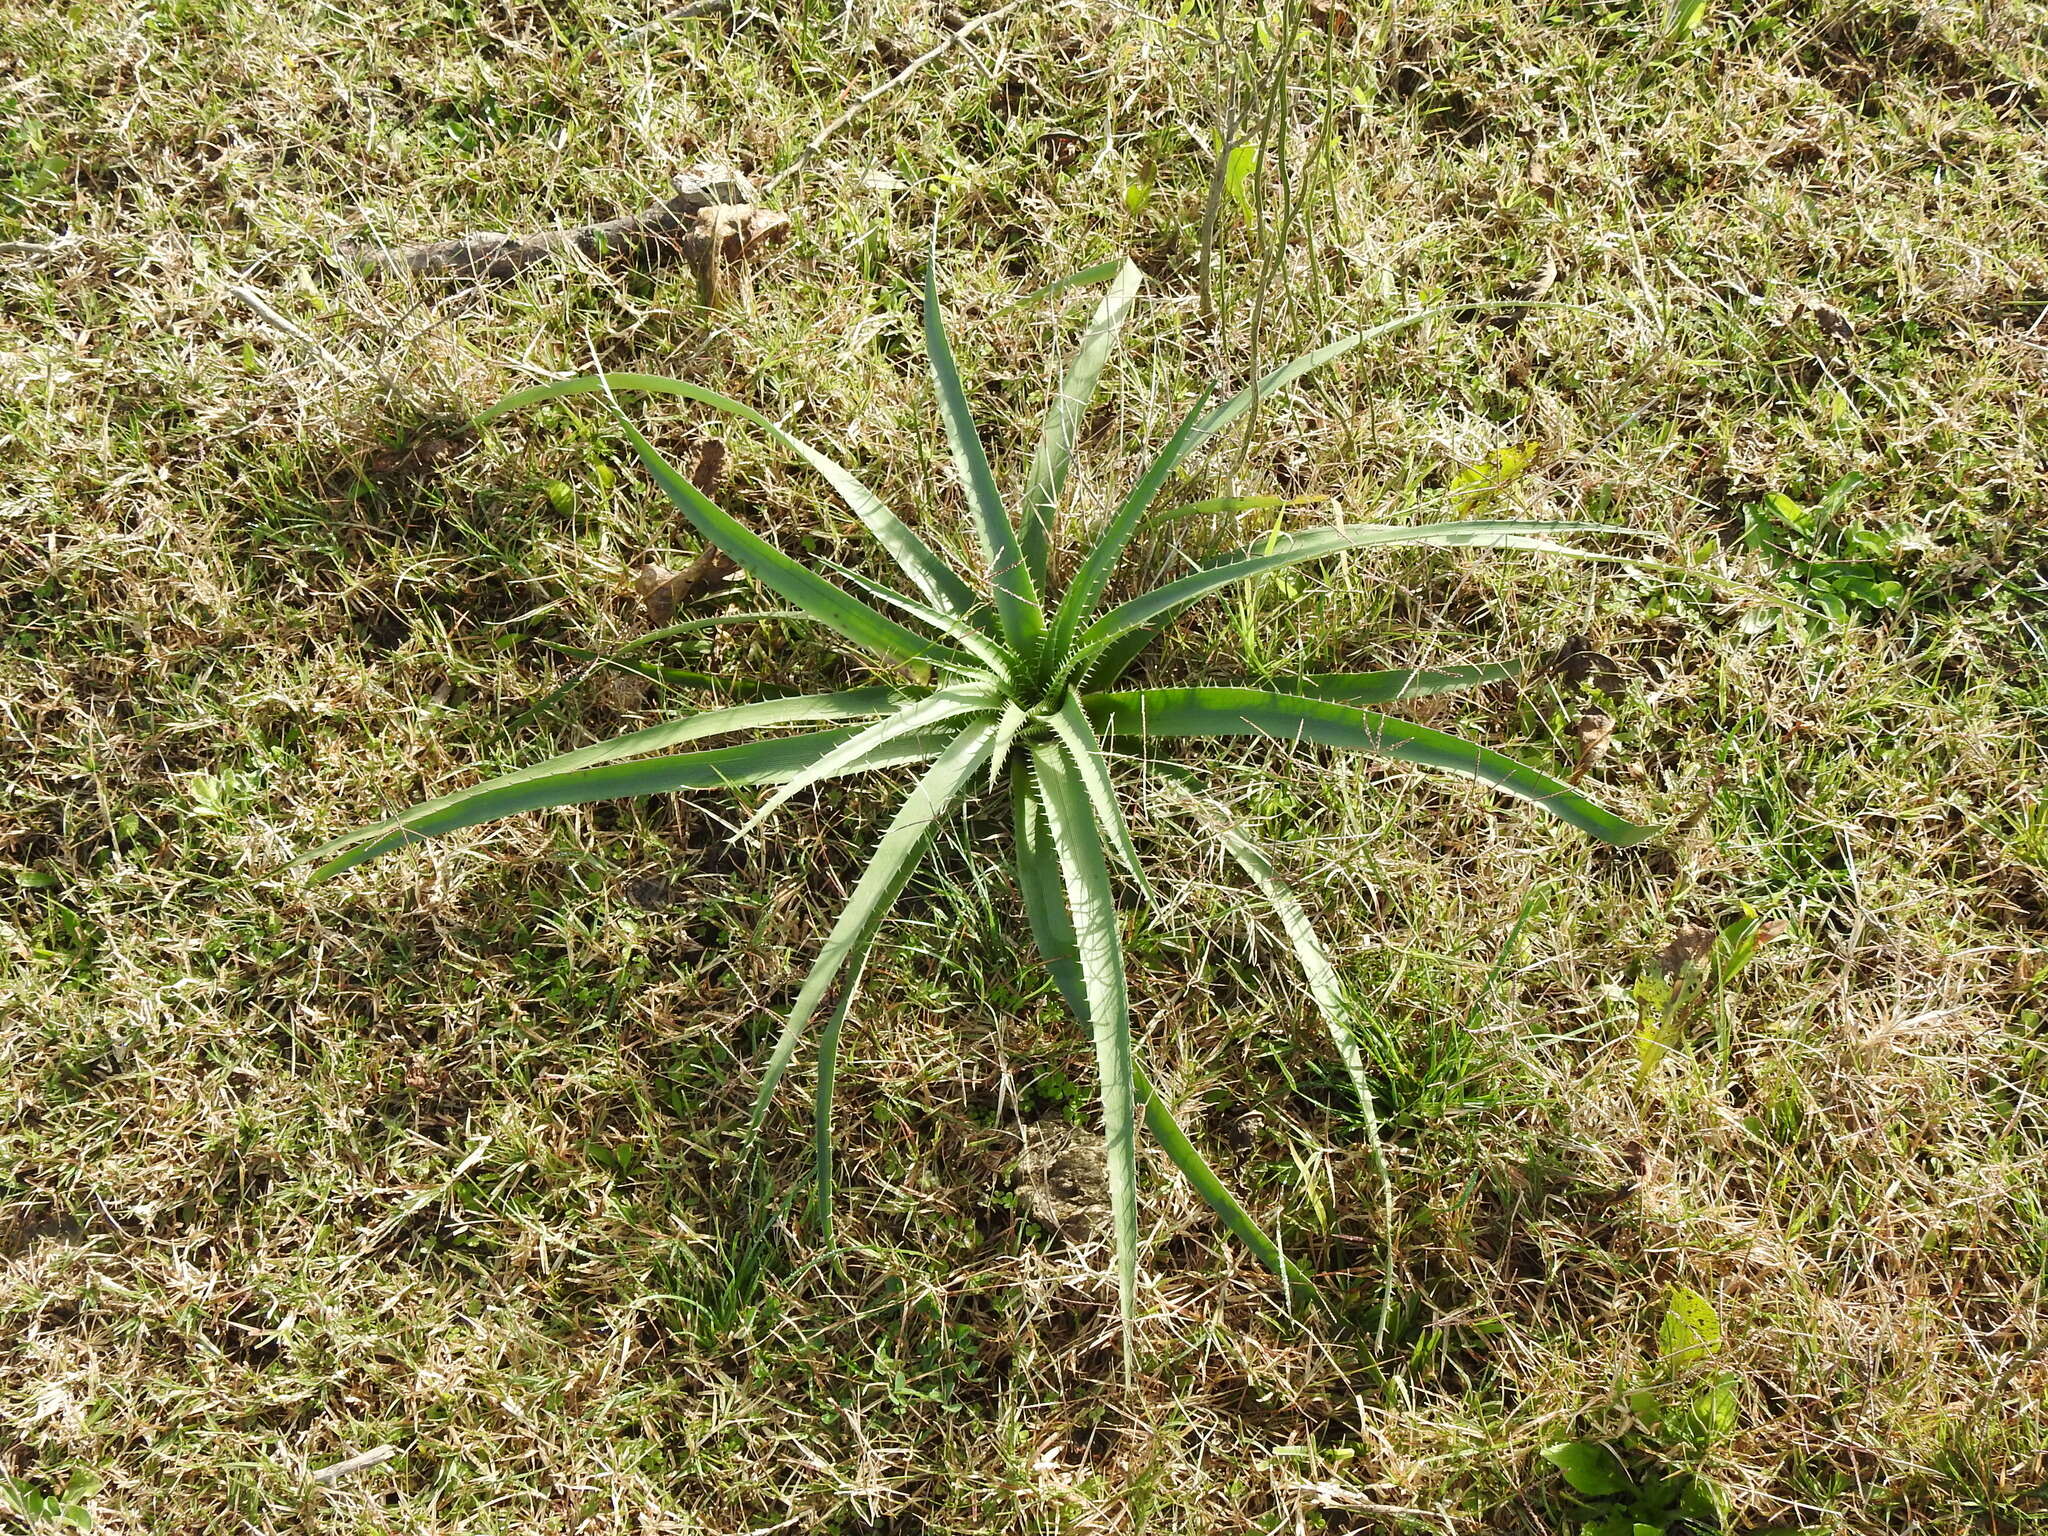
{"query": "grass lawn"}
pixel 448 1156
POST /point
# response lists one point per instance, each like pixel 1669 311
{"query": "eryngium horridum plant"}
pixel 994 685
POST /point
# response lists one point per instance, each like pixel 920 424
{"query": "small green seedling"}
pixel 1845 571
pixel 1629 1486
pixel 1475 488
pixel 64 1510
pixel 1005 688
pixel 1671 996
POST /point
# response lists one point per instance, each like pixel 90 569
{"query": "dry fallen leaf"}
pixel 1690 945
pixel 1595 734
pixel 710 466
pixel 1333 16
pixel 1578 664
pixel 662 590
pixel 656 584
pixel 1063 1181
pixel 725 236
pixel 1833 322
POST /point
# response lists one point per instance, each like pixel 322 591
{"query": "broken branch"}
pixel 712 222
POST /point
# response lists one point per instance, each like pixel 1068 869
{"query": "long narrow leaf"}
pixel 1101 272
pixel 920 715
pixel 1393 686
pixel 1016 596
pixel 1045 900
pixel 1079 604
pixel 903 844
pixel 1070 824
pixel 1287 549
pixel 1100 668
pixel 821 1105
pixel 1009 725
pixel 714 621
pixel 1318 970
pixel 1054 456
pixel 829 605
pixel 755 762
pixel 1096 568
pixel 1098 661
pixel 1070 723
pixel 939 582
pixel 1325 989
pixel 1215 1193
pixel 1308 362
pixel 986 649
pixel 854 704
pixel 1089 584
pixel 1052 929
pixel 668 677
pixel 1161 713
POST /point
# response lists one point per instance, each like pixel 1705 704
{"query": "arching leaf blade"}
pixel 1285 549
pixel 789 579
pixel 1390 687
pixel 1091 578
pixel 985 648
pixel 940 583
pixel 1009 725
pixel 821 1104
pixel 1070 723
pixel 1053 457
pixel 1017 607
pixel 756 762
pixel 895 856
pixel 1215 1194
pixel 1052 930
pixel 1165 713
pixel 852 704
pixel 920 715
pixel 1091 908
pixel 1284 375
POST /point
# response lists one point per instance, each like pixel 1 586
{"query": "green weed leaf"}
pixel 939 582
pixel 1589 1467
pixel 1238 166
pixel 1053 458
pixel 1686 16
pixel 1704 1502
pixel 1166 713
pixel 1012 703
pixel 1690 1330
pixel 1076 841
pixel 1714 1412
pixel 1015 593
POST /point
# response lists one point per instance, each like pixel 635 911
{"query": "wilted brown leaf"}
pixel 1594 732
pixel 662 590
pixel 1578 664
pixel 1690 945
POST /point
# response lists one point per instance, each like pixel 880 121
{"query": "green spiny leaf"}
pixel 895 857
pixel 939 582
pixel 1160 713
pixel 1016 596
pixel 1054 455
pixel 1099 944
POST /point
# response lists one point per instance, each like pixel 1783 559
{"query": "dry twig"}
pixel 712 222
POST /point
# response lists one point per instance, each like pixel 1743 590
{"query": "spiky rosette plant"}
pixel 1019 697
